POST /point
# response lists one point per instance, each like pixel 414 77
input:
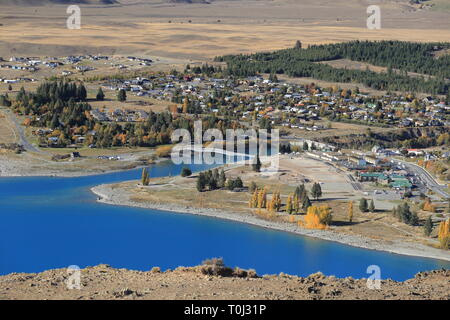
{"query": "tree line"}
pixel 398 56
pixel 62 106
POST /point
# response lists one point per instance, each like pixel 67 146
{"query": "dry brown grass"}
pixel 337 129
pixel 218 28
pixel 7 130
pixel 198 40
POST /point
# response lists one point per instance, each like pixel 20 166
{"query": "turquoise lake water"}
pixel 48 222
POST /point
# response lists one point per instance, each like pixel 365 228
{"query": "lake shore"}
pixel 112 196
pixel 32 167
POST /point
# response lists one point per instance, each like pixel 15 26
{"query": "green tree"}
pixel 122 95
pixel 252 187
pixel 428 226
pixel 222 179
pixel 81 93
pixel 4 101
pixel 186 172
pixel 54 122
pixel 257 166
pixel 316 191
pixel 201 182
pixel 305 146
pixel 363 205
pixel 100 95
pixel 371 206
pixel 306 203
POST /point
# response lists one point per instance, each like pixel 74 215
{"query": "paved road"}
pixel 426 178
pixel 23 140
pixel 355 184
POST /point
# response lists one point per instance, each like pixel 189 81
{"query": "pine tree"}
pixel 305 146
pixel 363 205
pixel 81 93
pixel 186 172
pixel 297 191
pixel 252 187
pixel 54 122
pixel 222 179
pixel 122 95
pixel 306 203
pixel 316 191
pixel 100 95
pixel 428 226
pixel 201 182
pixel 405 213
pixel 394 212
pixel 372 206
pixel 414 219
pixel 257 166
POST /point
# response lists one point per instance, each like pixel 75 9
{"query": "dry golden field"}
pixel 197 31
pixel 7 129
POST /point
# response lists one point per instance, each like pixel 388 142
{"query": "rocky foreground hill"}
pixel 208 282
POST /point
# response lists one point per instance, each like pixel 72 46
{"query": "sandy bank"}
pixel 110 196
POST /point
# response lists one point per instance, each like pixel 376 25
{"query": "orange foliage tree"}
pixel 428 206
pixel 444 234
pixel 318 217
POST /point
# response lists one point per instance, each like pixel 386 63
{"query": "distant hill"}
pixel 46 2
pixel 101 2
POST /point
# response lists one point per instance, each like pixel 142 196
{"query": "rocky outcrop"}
pixel 105 282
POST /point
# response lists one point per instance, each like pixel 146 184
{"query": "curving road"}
pixel 22 138
pixel 426 178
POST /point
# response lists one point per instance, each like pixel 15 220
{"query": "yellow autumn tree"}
pixel 185 105
pixel 296 203
pixel 253 202
pixel 262 198
pixel 277 201
pixel 428 205
pixel 271 204
pixel 289 206
pixel 350 211
pixel 444 234
pixel 318 217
